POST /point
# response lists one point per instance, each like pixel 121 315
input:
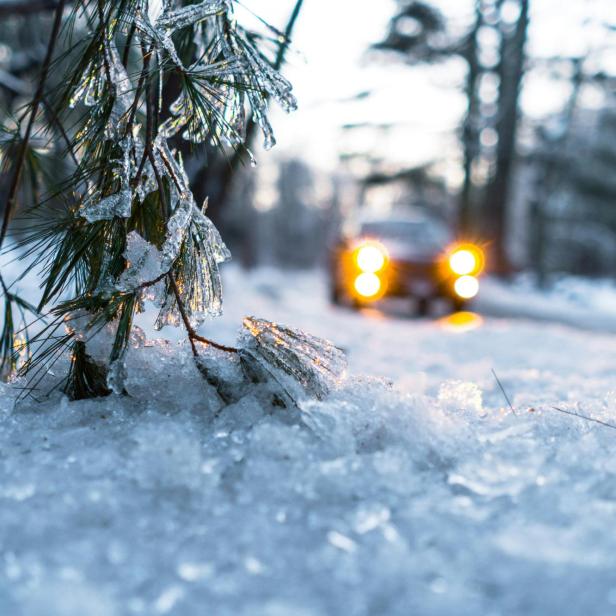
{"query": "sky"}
pixel 329 64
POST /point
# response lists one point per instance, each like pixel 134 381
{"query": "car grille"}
pixel 403 273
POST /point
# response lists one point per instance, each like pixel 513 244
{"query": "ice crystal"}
pixel 302 364
pixel 122 88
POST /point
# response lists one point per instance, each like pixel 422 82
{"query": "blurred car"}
pixel 415 258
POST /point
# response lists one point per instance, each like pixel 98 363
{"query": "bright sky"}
pixel 329 65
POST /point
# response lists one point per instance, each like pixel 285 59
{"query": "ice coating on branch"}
pixel 302 364
pixel 108 68
pixel 224 120
pixel 220 111
pixel 159 26
pixel 190 235
pixel 122 87
pixel 257 76
pixel 192 14
pixel 118 204
pixel 202 294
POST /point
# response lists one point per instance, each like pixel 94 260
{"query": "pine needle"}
pixel 504 392
pixel 586 417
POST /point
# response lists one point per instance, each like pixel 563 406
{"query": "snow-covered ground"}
pixel 413 490
pixel 583 303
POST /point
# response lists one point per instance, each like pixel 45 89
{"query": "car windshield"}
pixel 424 234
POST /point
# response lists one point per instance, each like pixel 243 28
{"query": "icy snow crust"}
pixel 425 496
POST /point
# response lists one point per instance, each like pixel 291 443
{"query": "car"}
pixel 412 257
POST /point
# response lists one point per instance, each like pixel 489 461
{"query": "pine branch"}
pixel 192 334
pixel 130 220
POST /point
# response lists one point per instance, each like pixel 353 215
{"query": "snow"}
pixel 411 491
pixel 585 303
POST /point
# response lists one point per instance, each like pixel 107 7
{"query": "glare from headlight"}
pixel 368 285
pixel 466 287
pixel 370 258
pixel 463 262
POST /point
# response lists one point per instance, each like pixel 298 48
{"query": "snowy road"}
pixel 426 498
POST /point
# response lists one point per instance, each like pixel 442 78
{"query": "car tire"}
pixel 459 305
pixel 423 307
pixel 335 295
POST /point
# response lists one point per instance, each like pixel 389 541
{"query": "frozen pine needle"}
pixel 584 417
pixel 500 385
pixel 292 357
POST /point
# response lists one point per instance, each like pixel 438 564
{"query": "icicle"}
pixel 116 376
pixel 302 364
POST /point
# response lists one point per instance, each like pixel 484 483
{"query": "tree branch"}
pixel 192 334
pixel 38 97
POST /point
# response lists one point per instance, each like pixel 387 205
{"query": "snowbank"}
pixel 416 493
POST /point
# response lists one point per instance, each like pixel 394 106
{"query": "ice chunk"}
pixel 459 396
pixel 302 364
pixel 119 204
pixel 144 263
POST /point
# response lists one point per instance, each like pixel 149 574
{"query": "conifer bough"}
pixel 130 230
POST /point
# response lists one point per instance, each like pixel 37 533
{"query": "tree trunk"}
pixel 511 72
pixel 470 133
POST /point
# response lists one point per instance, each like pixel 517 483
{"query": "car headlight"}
pixel 466 260
pixel 466 287
pixel 371 258
pixel 368 285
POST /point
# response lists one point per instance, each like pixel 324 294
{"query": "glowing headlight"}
pixel 367 285
pixel 466 287
pixel 370 258
pixel 464 261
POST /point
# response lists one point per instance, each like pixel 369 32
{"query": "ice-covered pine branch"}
pixel 132 231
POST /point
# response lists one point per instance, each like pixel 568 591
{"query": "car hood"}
pixel 405 251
